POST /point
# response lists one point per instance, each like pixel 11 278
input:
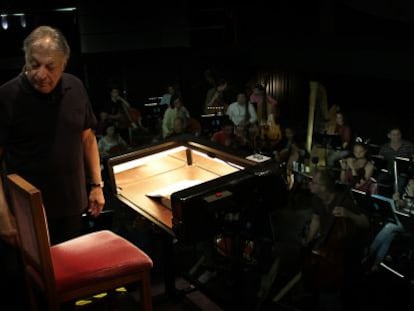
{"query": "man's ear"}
pixel 65 62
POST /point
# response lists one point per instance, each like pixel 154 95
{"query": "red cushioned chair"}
pixel 81 267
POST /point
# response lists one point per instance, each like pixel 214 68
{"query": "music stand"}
pixel 332 141
pixel 385 208
pixel 328 141
pixel 362 200
pixel 403 168
pixel 211 123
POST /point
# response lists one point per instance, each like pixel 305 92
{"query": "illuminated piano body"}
pixel 187 187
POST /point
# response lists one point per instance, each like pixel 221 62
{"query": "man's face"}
pixel 395 136
pixel 44 66
pixel 241 99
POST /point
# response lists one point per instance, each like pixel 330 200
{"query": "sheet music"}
pixel 389 203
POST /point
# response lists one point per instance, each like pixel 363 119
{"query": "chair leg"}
pixel 145 292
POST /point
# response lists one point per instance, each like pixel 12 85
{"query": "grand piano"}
pixel 187 186
pixel 201 194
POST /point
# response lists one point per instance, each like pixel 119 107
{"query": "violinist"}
pixel 335 241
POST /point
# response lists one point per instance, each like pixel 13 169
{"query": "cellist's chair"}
pixel 78 268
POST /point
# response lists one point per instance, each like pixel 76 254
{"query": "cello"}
pixel 324 261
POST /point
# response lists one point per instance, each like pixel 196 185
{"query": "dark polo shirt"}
pixel 41 136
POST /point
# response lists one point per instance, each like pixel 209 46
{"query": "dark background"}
pixel 359 50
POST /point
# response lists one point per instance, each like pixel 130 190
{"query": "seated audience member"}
pixel 242 113
pixel 357 170
pixel 342 129
pixel 395 147
pixel 379 248
pixel 111 143
pixel 177 109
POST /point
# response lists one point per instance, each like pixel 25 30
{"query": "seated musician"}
pixel 176 109
pixel 122 114
pixel 395 147
pixel 335 239
pixel 379 248
pixel 269 130
pixel 241 112
pixel 228 136
pixel 111 143
pixel 357 170
pixel 342 129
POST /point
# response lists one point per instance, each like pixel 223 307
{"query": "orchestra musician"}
pixel 333 243
pixel 122 114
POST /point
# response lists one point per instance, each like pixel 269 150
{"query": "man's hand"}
pixel 96 201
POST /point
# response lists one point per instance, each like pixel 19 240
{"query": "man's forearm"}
pixel 91 151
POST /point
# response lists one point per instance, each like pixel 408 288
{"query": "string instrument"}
pixel 131 115
pixel 270 130
pixel 324 260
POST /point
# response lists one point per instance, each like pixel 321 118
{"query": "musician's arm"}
pixel 252 113
pixel 313 229
pixel 369 171
pixel 359 219
pixel 124 101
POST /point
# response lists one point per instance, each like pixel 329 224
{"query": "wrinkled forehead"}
pixel 45 47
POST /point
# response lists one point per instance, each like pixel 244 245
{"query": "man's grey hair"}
pixel 58 40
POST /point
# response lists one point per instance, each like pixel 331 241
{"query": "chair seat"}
pixel 104 256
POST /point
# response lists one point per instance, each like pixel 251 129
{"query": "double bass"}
pixel 129 116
